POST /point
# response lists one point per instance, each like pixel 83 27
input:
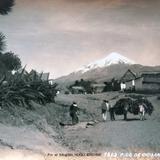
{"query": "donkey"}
pixel 122 107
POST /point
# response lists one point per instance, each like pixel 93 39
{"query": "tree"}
pixel 2 42
pixel 11 61
pixel 83 83
pixel 6 6
pixel 8 61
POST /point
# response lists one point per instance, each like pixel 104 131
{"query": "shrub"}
pixel 20 89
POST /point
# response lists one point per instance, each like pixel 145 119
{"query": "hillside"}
pixel 104 74
pixel 39 132
pixel 125 136
pixel 111 59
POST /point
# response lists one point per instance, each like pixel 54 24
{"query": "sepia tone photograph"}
pixel 79 79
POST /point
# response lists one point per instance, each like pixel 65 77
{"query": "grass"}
pixel 46 119
pixel 97 135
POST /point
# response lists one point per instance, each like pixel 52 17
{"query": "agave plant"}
pixel 21 90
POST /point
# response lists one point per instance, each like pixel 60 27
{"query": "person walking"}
pixel 104 108
pixel 142 111
pixel 73 113
pixel 111 111
pixel 125 110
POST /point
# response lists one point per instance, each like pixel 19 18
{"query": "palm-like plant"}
pixel 2 42
pixel 6 6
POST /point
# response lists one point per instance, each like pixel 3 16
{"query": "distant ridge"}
pixel 112 66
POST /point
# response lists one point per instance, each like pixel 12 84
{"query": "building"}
pixel 128 81
pixel 146 81
pixel 149 81
pixel 51 81
pixel 35 75
pixel 44 76
pixel 129 75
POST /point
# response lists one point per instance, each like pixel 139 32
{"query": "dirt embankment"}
pixel 34 130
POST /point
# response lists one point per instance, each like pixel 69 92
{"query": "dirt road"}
pixel 119 135
pixel 37 132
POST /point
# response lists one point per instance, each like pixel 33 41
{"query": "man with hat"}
pixel 104 107
pixel 111 111
pixel 73 113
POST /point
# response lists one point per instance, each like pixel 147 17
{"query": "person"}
pixel 73 113
pixel 111 111
pixel 104 108
pixel 123 86
pixel 142 111
pixel 125 110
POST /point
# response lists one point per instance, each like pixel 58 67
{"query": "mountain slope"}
pixel 113 58
pixel 113 66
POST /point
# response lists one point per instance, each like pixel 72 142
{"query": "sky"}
pixel 60 36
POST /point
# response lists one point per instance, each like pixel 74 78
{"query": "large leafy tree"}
pixel 2 42
pixel 6 6
pixel 8 61
pixel 11 61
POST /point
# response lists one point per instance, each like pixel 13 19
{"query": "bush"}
pixel 20 90
pixel 83 83
pixel 66 92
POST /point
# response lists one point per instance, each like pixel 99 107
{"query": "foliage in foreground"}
pixel 22 88
pixel 6 6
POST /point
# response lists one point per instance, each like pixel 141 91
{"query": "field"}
pixel 132 135
pixel 39 130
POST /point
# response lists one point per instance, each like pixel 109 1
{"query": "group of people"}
pixel 106 108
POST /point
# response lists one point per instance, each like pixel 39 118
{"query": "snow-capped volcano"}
pixel 113 58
